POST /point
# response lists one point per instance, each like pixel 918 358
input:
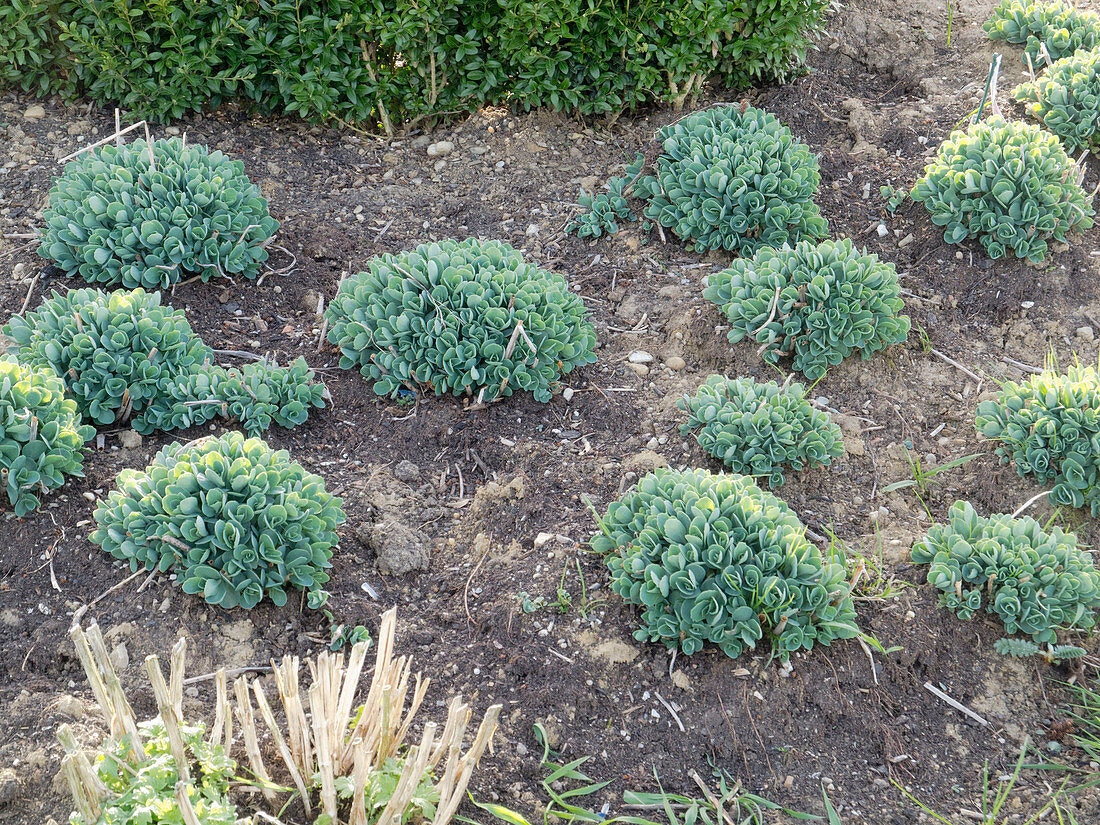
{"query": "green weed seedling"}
pixel 726 804
pixel 924 477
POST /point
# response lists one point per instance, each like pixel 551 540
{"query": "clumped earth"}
pixel 453 513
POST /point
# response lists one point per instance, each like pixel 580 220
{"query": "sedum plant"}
pixel 467 317
pixel 41 436
pixel 1009 185
pixel 817 303
pixel 715 559
pixel 234 519
pixel 1034 581
pixel 1066 98
pixel 1051 29
pixel 760 429
pixel 734 178
pixel 117 352
pixel 1049 427
pixel 125 215
pixel 256 396
pixel 606 211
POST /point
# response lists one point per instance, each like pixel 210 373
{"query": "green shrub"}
pixel 714 559
pixel 1058 26
pixel 117 217
pixel 734 178
pixel 399 61
pixel 144 790
pixel 155 58
pixel 117 352
pixel 1035 582
pixel 1010 185
pixel 232 518
pixel 255 396
pixel 759 429
pixel 41 436
pixel 446 318
pixel 1049 426
pixel 31 54
pixel 1066 98
pixel 816 302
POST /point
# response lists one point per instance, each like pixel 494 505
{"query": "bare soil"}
pixel 885 88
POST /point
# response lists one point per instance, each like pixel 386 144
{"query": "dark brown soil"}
pixel 885 89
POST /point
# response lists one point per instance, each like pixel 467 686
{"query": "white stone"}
pixel 440 149
pixel 34 112
pixel 640 356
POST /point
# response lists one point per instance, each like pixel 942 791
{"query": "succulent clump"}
pixel 255 396
pixel 41 435
pixel 117 352
pixel 1036 582
pixel 1049 29
pixel 235 520
pixel 713 559
pixel 466 317
pixel 142 216
pixel 1066 98
pixel 1049 426
pixel 760 429
pixel 734 178
pixel 817 303
pixel 1007 184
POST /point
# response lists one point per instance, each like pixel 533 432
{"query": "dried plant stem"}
pixel 169 717
pixel 280 743
pixel 247 723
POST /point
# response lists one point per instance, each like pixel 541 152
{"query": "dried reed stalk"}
pixel 328 746
pixel 332 741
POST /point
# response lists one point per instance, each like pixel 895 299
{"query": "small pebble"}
pixel 640 356
pixel 440 149
pixel 675 363
pixel 567 394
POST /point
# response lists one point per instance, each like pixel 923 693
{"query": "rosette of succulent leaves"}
pixel 1049 426
pixel 255 396
pixel 125 357
pixel 466 317
pixel 1051 30
pixel 233 519
pixel 1007 184
pixel 713 559
pixel 731 177
pixel 606 212
pixel 1036 582
pixel 41 435
pixel 816 302
pixel 760 429
pixel 147 217
pixel 1066 98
